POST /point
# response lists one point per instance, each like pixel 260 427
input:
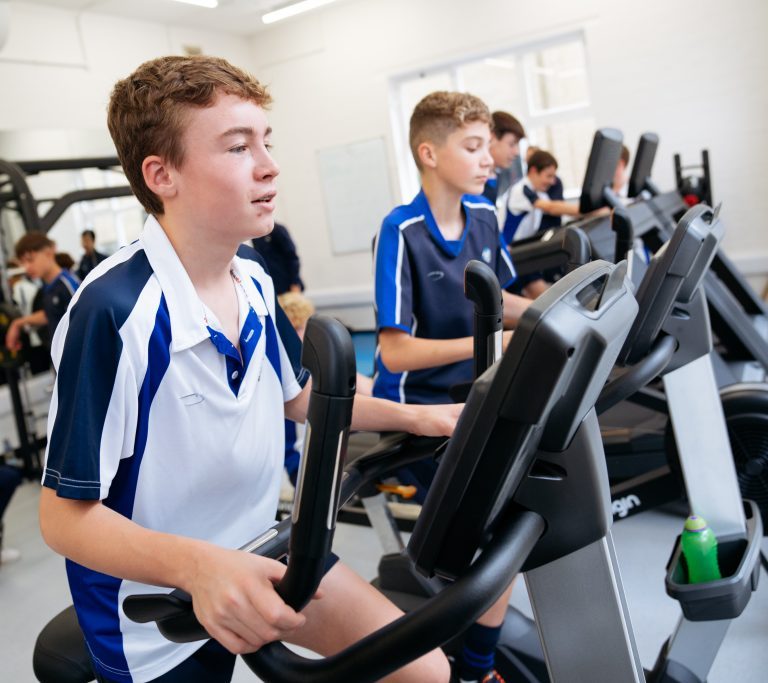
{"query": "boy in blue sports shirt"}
pixel 424 321
pixel 37 254
pixel 175 372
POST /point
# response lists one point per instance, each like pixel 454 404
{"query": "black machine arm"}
pixel 481 286
pixel 566 247
pixel 637 376
pixel 421 630
pixel 621 224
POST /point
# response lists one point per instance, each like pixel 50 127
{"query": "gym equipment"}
pixel 578 348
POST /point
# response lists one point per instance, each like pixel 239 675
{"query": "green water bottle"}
pixel 700 550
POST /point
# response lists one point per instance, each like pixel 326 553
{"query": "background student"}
pixel 423 319
pixel 37 255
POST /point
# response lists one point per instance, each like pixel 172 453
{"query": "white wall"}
pixel 694 72
pixel 57 69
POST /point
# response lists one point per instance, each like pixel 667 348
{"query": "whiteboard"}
pixel 357 192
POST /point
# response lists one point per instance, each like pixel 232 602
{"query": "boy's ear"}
pixel 158 177
pixel 427 154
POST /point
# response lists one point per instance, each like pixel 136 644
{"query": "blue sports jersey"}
pixel 419 279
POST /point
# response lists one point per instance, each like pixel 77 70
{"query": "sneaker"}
pixel 492 677
pixel 8 555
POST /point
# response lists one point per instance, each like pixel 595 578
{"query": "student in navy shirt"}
pixel 505 150
pixel 91 257
pixel 37 255
pixel 176 370
pixel 424 321
pixel 279 252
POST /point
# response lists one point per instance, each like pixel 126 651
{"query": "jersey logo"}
pixel 436 275
pixel 192 399
pixel 486 254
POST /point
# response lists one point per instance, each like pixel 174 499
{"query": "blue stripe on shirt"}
pixel 86 377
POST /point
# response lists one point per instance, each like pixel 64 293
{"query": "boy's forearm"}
pixel 557 207
pixel 91 534
pixel 403 353
pixel 36 319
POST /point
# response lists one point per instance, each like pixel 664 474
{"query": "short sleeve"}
pixel 519 201
pixel 505 269
pixel 392 276
pixel 94 410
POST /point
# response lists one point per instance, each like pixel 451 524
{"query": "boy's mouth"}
pixel 264 198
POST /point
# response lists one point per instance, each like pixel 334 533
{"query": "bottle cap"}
pixel 695 523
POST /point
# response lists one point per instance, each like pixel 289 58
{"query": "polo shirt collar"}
pixel 186 310
pixel 451 249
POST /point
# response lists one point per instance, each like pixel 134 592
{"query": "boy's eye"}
pixel 238 148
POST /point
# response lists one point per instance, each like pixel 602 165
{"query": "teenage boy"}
pixel 175 372
pixel 37 255
pixel 424 321
pixel 505 150
pixel 529 201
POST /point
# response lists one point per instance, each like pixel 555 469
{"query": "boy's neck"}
pixel 207 260
pixel 445 204
pixel 51 274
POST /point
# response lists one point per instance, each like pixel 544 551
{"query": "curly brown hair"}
pixel 147 110
pixel 442 112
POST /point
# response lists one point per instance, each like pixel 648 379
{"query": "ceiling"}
pixel 241 17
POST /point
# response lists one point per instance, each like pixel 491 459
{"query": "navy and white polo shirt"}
pixel 155 414
pixel 419 280
pixel 521 218
pixel 56 297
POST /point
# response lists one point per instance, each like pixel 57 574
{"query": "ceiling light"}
pixel 293 10
pixel 210 4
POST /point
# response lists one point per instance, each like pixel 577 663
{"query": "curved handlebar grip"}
pixel 329 355
pixel 576 245
pixel 638 375
pixel 481 286
pixel 327 352
pixel 621 224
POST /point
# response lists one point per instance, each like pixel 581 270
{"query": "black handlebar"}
pixel 640 374
pixel 621 224
pixel 481 286
pixel 577 248
pixel 329 355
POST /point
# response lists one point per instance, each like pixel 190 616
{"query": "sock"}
pixel 477 657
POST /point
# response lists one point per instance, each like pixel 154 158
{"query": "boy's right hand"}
pixel 234 598
pixel 506 337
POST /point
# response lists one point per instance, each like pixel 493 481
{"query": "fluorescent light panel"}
pixel 210 4
pixel 293 10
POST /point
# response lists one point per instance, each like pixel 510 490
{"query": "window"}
pixel 545 85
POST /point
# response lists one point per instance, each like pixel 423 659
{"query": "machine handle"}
pixel 481 286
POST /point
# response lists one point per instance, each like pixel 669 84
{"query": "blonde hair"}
pixel 297 307
pixel 148 109
pixel 442 112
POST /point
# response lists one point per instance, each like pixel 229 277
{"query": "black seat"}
pixel 61 655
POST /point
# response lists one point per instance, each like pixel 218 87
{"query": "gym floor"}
pixel 34 589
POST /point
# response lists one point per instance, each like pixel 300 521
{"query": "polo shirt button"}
pixel 235 374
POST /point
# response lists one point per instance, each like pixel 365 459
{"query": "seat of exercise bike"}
pixel 60 654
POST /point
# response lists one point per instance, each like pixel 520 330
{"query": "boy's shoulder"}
pixel 407 214
pixel 115 285
pixel 481 211
pixel 479 202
